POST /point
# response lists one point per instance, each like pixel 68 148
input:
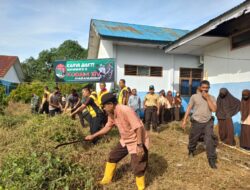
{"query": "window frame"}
pixel 137 67
pixel 190 79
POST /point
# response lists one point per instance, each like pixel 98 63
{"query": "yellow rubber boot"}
pixel 108 174
pixel 140 182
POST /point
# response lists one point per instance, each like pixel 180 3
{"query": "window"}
pixel 143 71
pixel 189 80
pixel 240 40
pixel 130 70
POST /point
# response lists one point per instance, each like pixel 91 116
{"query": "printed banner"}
pixel 89 70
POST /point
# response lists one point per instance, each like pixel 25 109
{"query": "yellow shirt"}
pixel 151 99
pixel 48 95
pixel 99 97
pixel 120 97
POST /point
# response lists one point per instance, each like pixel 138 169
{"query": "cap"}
pixel 151 87
pixel 108 98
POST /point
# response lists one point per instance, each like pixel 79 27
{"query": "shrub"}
pixel 24 91
pixel 3 99
pixel 43 171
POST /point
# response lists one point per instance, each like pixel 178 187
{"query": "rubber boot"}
pixel 108 174
pixel 140 182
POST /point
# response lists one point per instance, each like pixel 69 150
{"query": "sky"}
pixel 30 26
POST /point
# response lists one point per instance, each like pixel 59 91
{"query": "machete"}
pixel 68 143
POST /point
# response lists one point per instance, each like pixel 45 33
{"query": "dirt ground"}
pixel 170 167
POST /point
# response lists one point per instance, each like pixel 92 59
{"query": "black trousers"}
pixel 210 139
pixel 171 114
pixel 45 108
pixel 96 123
pixel 151 117
pixel 52 113
pixel 162 115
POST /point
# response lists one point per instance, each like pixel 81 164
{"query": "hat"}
pixel 108 98
pixel 151 87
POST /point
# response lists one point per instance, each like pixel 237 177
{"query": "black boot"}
pixel 212 162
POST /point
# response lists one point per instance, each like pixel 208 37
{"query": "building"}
pixel 10 72
pixel 223 47
pixel 139 57
pixel 218 51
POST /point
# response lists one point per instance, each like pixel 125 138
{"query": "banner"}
pixel 89 70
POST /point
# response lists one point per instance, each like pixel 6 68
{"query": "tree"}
pixel 71 50
pixel 36 69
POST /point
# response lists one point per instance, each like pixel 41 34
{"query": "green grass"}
pixel 29 160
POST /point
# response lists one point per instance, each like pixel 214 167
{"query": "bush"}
pixel 24 91
pixel 3 99
pixel 43 171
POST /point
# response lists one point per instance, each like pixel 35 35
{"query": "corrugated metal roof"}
pixel 137 32
pixel 6 63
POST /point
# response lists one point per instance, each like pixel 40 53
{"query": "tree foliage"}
pixel 36 69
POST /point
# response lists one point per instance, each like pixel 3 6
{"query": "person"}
pixel 151 107
pixel 45 101
pixel 162 104
pixel 109 72
pixel 94 109
pixel 102 69
pixel 177 106
pixel 123 95
pixel 129 92
pixel 227 107
pixel 46 90
pixel 245 120
pixel 203 104
pixel 45 104
pixel 103 90
pixel 55 106
pixel 171 107
pixel 134 140
pixel 73 102
pixel 64 101
pixel 134 102
pixel 34 103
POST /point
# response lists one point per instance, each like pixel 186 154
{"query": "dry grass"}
pixel 169 165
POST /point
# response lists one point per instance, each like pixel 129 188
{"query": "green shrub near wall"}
pixel 24 91
pixel 3 99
